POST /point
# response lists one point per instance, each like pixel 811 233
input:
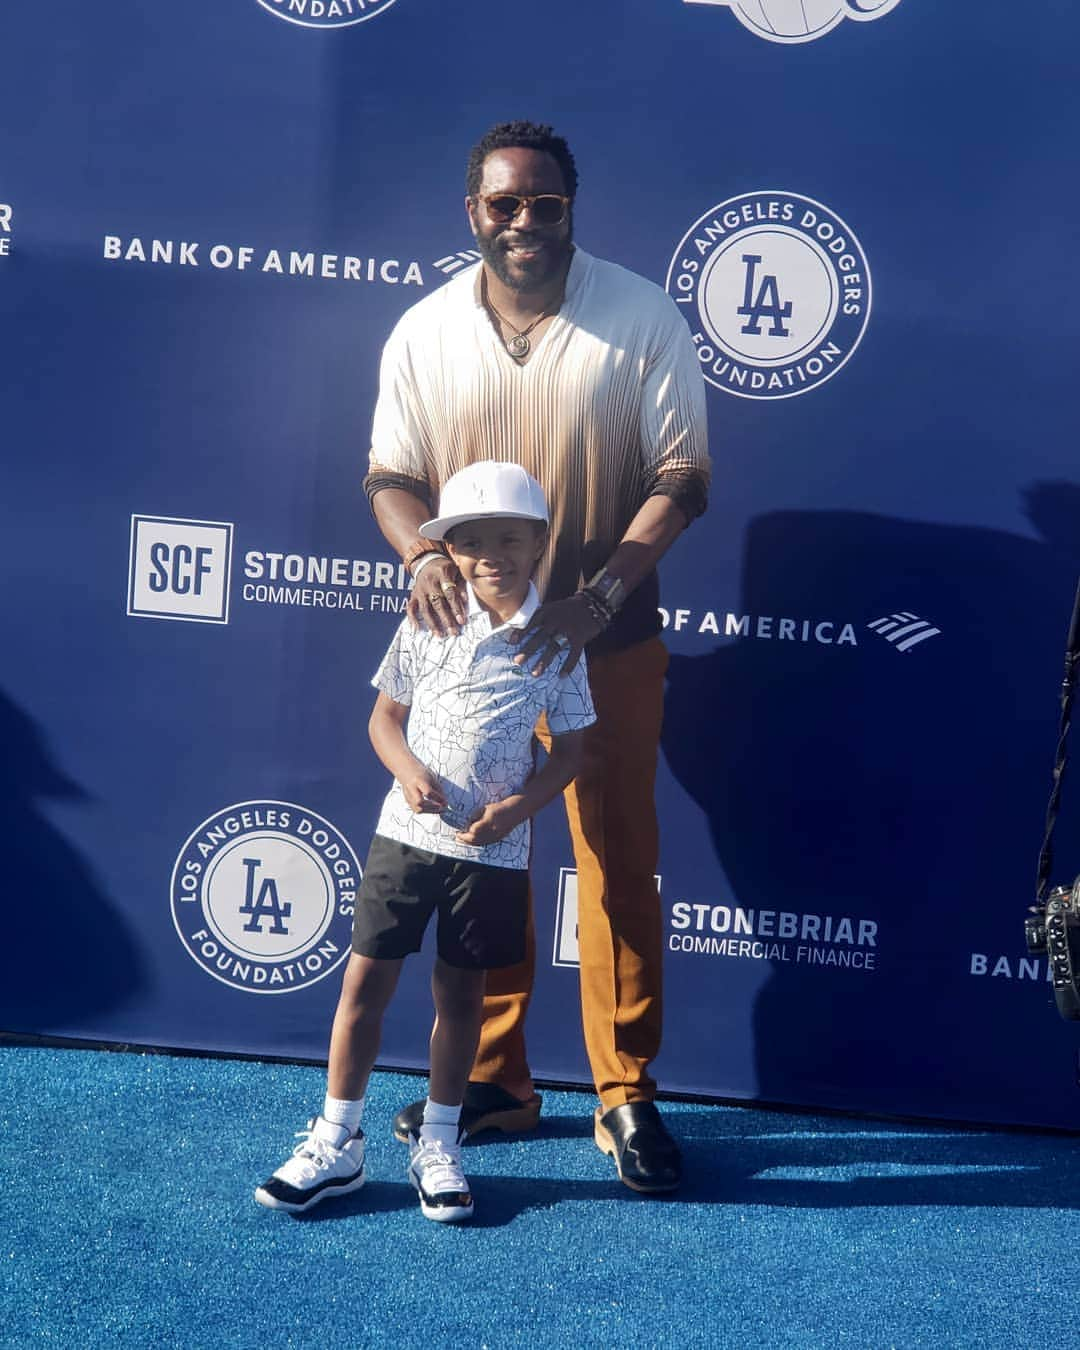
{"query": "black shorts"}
pixel 482 909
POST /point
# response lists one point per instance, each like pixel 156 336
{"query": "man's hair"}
pixel 521 136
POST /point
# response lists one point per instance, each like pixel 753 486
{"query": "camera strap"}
pixel 1068 690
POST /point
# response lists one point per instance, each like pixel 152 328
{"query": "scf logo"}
pixel 179 569
pixel 567 952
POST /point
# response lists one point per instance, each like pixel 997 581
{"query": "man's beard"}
pixel 550 265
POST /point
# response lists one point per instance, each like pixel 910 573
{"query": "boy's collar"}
pixel 528 608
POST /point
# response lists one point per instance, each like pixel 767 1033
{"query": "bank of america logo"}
pixel 904 630
pixel 454 262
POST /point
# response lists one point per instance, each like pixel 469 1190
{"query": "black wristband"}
pixel 601 610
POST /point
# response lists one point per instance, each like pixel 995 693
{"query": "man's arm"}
pixel 675 460
pixel 397 482
pixel 437 601
pixel 559 769
pixel 650 534
pixel 648 537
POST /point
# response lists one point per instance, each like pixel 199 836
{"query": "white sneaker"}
pixel 435 1171
pixel 316 1170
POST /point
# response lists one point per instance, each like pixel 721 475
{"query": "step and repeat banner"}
pixel 212 214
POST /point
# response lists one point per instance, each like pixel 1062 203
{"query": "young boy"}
pixel 453 722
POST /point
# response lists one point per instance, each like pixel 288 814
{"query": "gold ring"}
pixel 448 586
pixel 437 600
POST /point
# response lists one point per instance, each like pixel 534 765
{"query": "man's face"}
pixel 524 255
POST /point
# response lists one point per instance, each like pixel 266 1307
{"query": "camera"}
pixel 1053 927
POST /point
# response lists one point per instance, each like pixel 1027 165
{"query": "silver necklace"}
pixel 519 345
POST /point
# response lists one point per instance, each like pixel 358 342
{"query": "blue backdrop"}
pixel 212 213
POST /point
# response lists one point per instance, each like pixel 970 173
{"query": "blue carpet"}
pixel 127 1219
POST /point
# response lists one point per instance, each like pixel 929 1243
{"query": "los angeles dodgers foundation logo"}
pixel 776 289
pixel 800 20
pixel 263 895
pixel 325 13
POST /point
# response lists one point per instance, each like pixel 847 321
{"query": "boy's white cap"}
pixel 488 488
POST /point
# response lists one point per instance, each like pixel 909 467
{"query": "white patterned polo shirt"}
pixel 471 722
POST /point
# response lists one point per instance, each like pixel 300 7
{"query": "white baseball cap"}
pixel 487 488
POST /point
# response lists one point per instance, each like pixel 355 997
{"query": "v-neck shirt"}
pixel 611 400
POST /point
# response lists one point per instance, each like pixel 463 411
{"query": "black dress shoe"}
pixel 486 1107
pixel 646 1157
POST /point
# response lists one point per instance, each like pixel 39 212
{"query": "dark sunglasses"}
pixel 546 208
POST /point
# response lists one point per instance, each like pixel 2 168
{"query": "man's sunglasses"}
pixel 547 208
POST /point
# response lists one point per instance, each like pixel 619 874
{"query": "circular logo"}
pixel 326 13
pixel 776 290
pixel 263 895
pixel 804 20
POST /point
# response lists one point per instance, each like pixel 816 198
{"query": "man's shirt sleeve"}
pixel 674 430
pixel 570 705
pixel 397 433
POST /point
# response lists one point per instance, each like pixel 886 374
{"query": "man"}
pixel 585 374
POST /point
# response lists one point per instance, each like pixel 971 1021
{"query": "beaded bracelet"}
pixel 420 549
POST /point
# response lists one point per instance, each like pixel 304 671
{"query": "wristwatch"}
pixel 608 589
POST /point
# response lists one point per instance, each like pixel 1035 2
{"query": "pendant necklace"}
pixel 519 345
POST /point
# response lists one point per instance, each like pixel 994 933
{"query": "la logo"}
pixel 266 905
pixel 766 304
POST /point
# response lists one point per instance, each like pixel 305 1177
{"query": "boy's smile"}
pixel 496 556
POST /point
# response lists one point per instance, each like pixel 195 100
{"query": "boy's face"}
pixel 496 556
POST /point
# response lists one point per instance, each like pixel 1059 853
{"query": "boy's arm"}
pixel 560 768
pixel 386 727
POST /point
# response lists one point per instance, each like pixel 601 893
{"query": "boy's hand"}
pixel 491 824
pixel 423 793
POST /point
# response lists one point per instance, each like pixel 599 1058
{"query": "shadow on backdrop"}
pixel 906 787
pixel 69 953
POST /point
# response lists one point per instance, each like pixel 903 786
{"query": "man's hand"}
pixel 493 823
pixel 437 602
pixel 571 619
pixel 423 793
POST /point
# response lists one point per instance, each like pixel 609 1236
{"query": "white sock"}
pixel 440 1122
pixel 340 1120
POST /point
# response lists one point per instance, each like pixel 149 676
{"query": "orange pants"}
pixel 611 809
